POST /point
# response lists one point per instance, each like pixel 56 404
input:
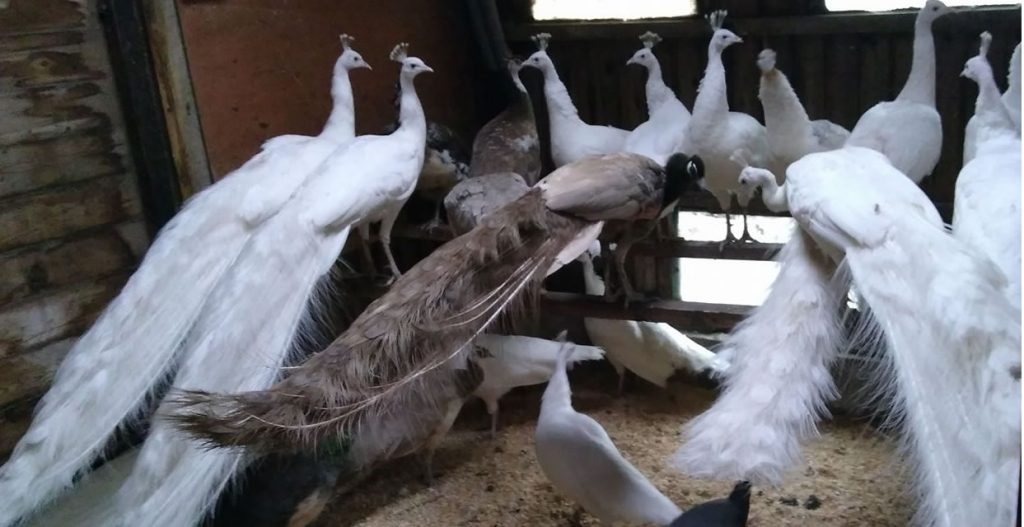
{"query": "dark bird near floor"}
pixel 728 512
pixel 389 385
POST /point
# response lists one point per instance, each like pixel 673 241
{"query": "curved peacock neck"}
pixel 341 123
pixel 784 116
pixel 410 111
pixel 591 282
pixel 989 108
pixel 712 103
pixel 657 92
pixel 1012 94
pixel 920 86
pixel 558 392
pixel 774 195
pixel 560 105
pixel 522 103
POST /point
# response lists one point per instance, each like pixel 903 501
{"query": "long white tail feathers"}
pixel 241 343
pixel 952 363
pixel 778 380
pixel 110 374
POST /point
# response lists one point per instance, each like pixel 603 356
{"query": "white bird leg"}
pixel 492 409
pixel 367 250
pixel 746 237
pixel 385 239
pixel 435 222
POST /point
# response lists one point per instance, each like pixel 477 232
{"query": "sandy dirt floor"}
pixel 851 478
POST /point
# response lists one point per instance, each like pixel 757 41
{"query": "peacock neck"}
pixel 521 104
pixel 558 392
pixel 657 92
pixel 920 86
pixel 410 111
pixel 341 124
pixel 784 116
pixel 593 283
pixel 989 107
pixel 1012 94
pixel 560 106
pixel 774 195
pixel 712 103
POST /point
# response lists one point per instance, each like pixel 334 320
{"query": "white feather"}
pixel 778 382
pixel 662 134
pixel 110 373
pixel 953 339
pixel 580 460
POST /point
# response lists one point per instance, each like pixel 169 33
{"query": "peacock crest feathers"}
pixel 542 40
pixel 346 41
pixel 650 39
pixel 717 19
pixel 400 52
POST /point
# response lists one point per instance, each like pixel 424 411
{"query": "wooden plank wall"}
pixel 262 68
pixel 70 217
pixel 839 67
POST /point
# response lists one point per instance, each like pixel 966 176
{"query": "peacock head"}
pixel 645 55
pixel 350 59
pixel 932 10
pixel 766 60
pixel 411 66
pixel 540 58
pixel 722 39
pixel 683 173
pixel 753 178
pixel 977 67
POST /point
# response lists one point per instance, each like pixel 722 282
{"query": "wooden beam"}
pixel 679 248
pixel 972 20
pixel 170 64
pixel 694 316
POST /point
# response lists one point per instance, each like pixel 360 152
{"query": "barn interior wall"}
pixel 262 68
pixel 71 226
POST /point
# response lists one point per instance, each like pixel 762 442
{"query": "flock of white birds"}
pixel 232 284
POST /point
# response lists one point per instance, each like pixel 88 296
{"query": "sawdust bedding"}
pixel 852 476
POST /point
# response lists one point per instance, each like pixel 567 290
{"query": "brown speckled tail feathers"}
pixel 407 350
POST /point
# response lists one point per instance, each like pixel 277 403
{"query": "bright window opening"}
pixel 728 281
pixel 611 9
pixel 891 5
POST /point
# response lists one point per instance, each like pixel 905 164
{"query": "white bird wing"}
pixel 669 344
pixel 371 172
pixel 829 135
pixel 987 213
pixel 909 134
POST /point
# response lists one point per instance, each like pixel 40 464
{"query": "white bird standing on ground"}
pixel 251 323
pixel 663 132
pixel 715 133
pixel 908 130
pixel 791 133
pixel 953 344
pixel 106 382
pixel 511 361
pixel 1010 99
pixel 986 211
pixel 580 460
pixel 651 350
pixel 571 138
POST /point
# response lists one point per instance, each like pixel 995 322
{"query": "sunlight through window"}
pixel 890 5
pixel 610 9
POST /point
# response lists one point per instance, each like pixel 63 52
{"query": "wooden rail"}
pixel 695 316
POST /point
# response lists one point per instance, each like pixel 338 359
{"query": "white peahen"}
pixel 651 350
pixel 1010 99
pixel 952 357
pixel 662 134
pixel 791 133
pixel 908 130
pixel 986 215
pixel 716 134
pixel 571 138
pixel 582 462
pixel 106 383
pixel 511 361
